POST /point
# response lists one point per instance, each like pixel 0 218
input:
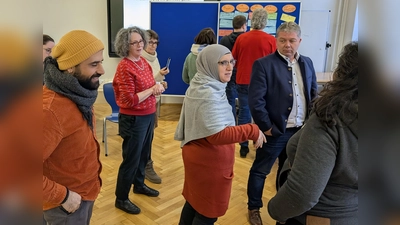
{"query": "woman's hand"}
pixel 261 140
pixel 164 84
pixel 158 89
pixel 164 71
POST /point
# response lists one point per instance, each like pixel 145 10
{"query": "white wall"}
pixel 62 16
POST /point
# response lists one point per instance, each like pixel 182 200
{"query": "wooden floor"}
pixel 166 154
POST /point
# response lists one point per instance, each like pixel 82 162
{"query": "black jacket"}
pixel 229 40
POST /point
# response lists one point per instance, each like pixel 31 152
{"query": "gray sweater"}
pixel 324 174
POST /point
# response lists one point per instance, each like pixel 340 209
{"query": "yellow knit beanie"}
pixel 75 47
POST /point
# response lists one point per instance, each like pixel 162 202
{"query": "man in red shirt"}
pixel 248 48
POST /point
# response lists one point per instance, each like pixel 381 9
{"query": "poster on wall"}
pixel 278 12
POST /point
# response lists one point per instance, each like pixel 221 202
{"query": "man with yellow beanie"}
pixel 71 165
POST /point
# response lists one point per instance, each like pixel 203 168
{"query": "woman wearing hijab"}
pixel 208 133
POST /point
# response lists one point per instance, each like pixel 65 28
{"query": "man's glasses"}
pixel 226 62
pixel 137 43
pixel 154 43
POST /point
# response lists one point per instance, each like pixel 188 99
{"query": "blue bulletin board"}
pixel 177 24
pixel 278 12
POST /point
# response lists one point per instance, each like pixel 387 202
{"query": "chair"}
pixel 110 98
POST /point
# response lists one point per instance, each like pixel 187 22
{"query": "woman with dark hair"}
pixel 150 54
pixel 48 44
pixel 204 38
pixel 322 186
pixel 135 90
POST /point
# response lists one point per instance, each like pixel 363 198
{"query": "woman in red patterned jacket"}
pixel 135 90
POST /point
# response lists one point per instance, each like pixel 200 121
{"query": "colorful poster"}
pixel 278 12
pixel 225 15
pixel 242 13
pixel 270 30
pixel 272 16
pixel 223 32
pixel 287 18
pixel 271 23
pixel 224 23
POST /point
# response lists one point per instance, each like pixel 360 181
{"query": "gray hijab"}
pixel 205 109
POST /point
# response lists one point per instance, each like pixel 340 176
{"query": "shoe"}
pixel 127 206
pixel 243 151
pixel 150 174
pixel 145 190
pixel 254 217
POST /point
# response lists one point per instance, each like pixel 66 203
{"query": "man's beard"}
pixel 87 82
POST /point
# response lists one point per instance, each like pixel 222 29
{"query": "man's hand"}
pixel 268 132
pixel 73 202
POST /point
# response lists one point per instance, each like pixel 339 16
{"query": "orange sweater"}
pixel 70 151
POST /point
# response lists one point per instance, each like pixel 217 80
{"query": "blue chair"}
pixel 110 98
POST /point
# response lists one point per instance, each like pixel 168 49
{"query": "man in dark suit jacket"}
pixel 281 89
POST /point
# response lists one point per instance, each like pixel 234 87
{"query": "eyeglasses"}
pixel 226 63
pixel 154 42
pixel 137 43
pixel 48 50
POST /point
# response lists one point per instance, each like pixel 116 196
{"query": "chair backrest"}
pixel 110 97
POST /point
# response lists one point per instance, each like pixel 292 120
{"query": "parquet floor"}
pixel 166 154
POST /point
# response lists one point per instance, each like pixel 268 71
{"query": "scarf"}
pixel 205 110
pixel 149 57
pixel 155 65
pixel 69 86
